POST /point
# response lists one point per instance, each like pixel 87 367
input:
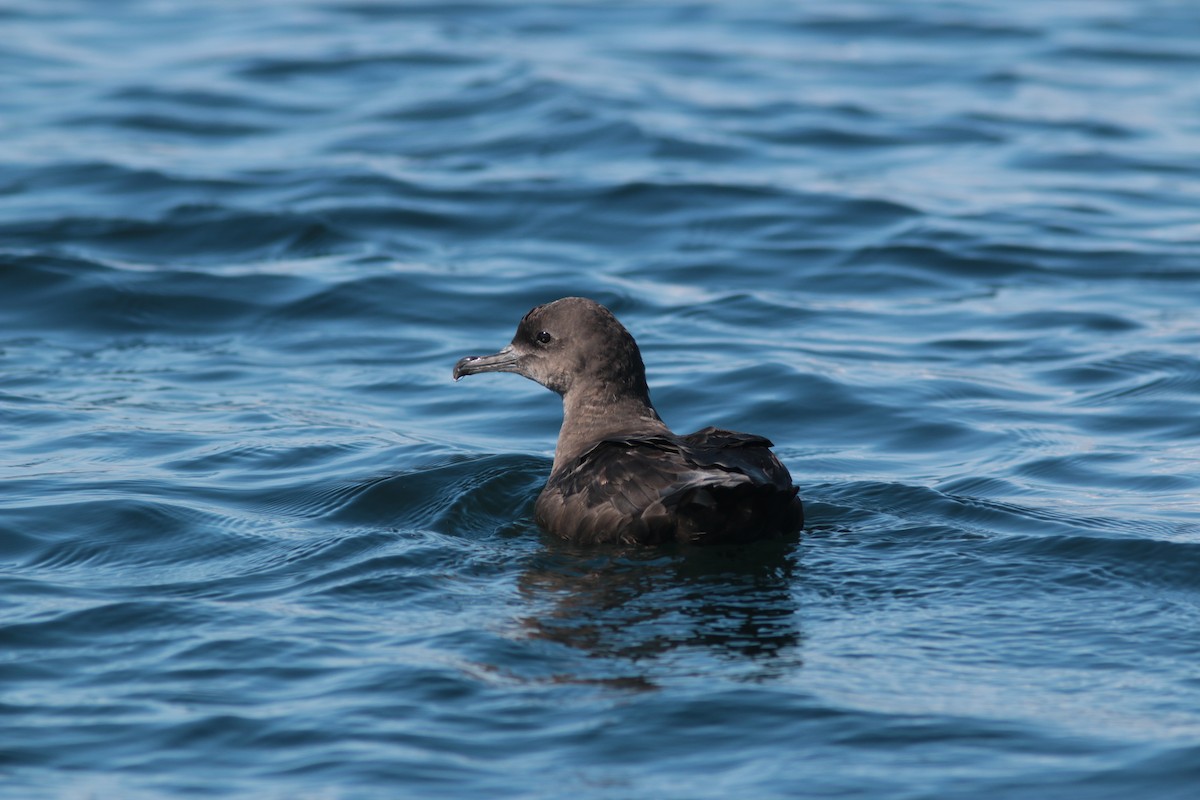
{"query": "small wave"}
pixel 1165 55
pixel 88 294
pixel 187 125
pixel 465 495
pixel 984 515
pixel 103 536
pixel 188 234
pixel 356 66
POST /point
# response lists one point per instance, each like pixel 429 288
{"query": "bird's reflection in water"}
pixel 647 614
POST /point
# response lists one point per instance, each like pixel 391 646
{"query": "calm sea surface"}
pixel 254 542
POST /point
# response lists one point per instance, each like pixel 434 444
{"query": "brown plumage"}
pixel 620 475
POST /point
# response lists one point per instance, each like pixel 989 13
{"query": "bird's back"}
pixel 708 487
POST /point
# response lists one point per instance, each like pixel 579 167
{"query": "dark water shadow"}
pixel 648 615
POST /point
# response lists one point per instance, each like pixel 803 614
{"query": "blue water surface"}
pixel 254 542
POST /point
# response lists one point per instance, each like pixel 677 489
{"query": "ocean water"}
pixel 254 542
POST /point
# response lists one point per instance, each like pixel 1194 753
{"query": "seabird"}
pixel 620 476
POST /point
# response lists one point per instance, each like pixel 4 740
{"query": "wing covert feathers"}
pixel 708 487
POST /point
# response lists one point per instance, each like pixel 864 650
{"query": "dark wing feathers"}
pixel 712 485
pixel 738 452
pixel 718 438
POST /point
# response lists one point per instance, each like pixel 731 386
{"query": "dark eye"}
pixel 543 337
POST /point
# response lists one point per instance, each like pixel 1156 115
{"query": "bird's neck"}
pixel 592 416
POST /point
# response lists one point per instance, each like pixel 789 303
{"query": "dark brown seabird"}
pixel 620 476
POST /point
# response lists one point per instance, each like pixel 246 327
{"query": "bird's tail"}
pixel 728 511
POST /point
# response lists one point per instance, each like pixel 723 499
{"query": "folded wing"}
pixel 708 487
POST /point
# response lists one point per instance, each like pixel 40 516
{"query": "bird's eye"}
pixel 543 337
